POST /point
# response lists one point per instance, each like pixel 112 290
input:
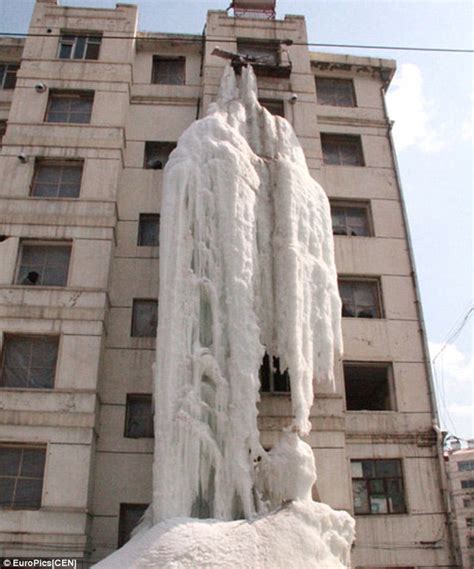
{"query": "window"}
pixel 342 150
pixel 261 52
pixel 21 476
pixel 44 265
pixel 272 380
pixel 351 219
pixel 130 516
pixel 470 542
pixel 70 107
pixel 467 484
pixel 57 179
pixel 377 487
pixel 8 75
pixel 139 417
pixel 470 522
pixel 168 70
pixel 144 318
pixel 3 129
pixel 464 465
pixel 157 154
pixel 368 387
pixel 467 502
pixel 274 106
pixel 79 46
pixel 360 298
pixel 149 230
pixel 335 92
pixel 29 361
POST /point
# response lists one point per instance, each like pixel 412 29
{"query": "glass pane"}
pixel 396 496
pixel 349 154
pixel 48 174
pixel 357 221
pixel 69 191
pixel 32 255
pixel 58 104
pixel 80 47
pixel 44 352
pixel 330 153
pixel 9 461
pixel 10 79
pixel 145 316
pixel 15 377
pixel 17 352
pixel 92 51
pixel 71 174
pixel 148 230
pixel 65 50
pixel 356 469
pixel 2 74
pixel 377 486
pixel 28 493
pixel 361 497
pixel 378 504
pixel 41 378
pixel 368 468
pixel 388 468
pixel 55 275
pixel 33 462
pixel 45 190
pixel 338 220
pixel 7 487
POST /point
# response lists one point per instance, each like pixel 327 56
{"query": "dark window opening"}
pixel 335 92
pixel 350 219
pixel 130 516
pixel 144 318
pixel 272 379
pixel 149 230
pixel 274 106
pixel 21 476
pixel 8 75
pixel 342 150
pixel 56 179
pixel 79 46
pixel 465 465
pixel 139 416
pixel 73 107
pixel 467 484
pixel 44 265
pixel 168 70
pixel 29 362
pixel 360 299
pixel 3 130
pixel 157 154
pixel 377 487
pixel 368 387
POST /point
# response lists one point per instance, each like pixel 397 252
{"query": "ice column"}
pixel 246 266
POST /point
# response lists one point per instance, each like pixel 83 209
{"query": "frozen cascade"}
pixel 246 268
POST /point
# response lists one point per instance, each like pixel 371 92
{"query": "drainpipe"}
pixel 431 389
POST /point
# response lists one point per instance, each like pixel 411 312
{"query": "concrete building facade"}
pixel 87 128
pixel 460 468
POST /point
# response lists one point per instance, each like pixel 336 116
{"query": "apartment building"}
pixel 90 110
pixel 460 469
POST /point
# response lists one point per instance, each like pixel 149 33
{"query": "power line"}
pixel 178 37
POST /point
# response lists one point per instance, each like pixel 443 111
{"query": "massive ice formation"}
pixel 246 266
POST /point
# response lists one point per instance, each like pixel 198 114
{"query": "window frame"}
pixel 6 338
pixel 26 446
pixel 465 465
pixel 467 484
pixel 168 59
pixel 10 70
pixel 76 35
pixel 121 522
pixel 135 302
pixel 146 218
pixel 144 397
pixel 72 94
pixel 336 81
pixel 390 385
pixel 267 103
pixel 343 140
pixel 43 243
pixel 53 163
pixel 376 283
pixel 386 493
pixel 163 147
pixel 354 204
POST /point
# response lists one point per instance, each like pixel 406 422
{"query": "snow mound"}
pixel 301 535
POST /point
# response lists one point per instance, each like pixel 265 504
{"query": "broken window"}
pixel 272 379
pixel 157 154
pixel 168 70
pixel 8 75
pixel 351 219
pixel 335 92
pixel 342 150
pixel 130 516
pixel 139 416
pixel 260 52
pixel 360 298
pixel 56 179
pixel 29 362
pixel 21 476
pixel 44 264
pixel 467 484
pixel 274 106
pixel 377 487
pixel 148 230
pixel 70 107
pixel 368 387
pixel 144 318
pixel 464 465
pixel 79 46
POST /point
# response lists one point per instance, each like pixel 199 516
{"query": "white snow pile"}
pixel 246 268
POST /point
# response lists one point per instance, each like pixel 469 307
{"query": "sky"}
pixel 431 101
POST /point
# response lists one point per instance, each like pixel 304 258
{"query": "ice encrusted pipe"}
pixel 246 267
